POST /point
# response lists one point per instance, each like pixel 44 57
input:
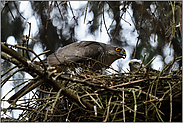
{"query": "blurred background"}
pixel 154 28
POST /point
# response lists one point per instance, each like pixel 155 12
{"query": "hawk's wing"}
pixel 75 52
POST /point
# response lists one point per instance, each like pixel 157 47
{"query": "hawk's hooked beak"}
pixel 124 55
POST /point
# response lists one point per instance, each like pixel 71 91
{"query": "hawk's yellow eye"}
pixel 118 49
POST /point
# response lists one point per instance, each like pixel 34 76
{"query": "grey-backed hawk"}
pixel 86 53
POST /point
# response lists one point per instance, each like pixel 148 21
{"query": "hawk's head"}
pixel 114 53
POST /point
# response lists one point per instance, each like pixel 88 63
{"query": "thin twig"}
pixel 18 11
pixel 108 107
pixel 10 11
pixel 72 11
pixel 105 23
pixel 6 3
pixel 48 15
pixel 27 41
pixel 170 102
pixel 86 11
pixel 59 10
pixel 123 103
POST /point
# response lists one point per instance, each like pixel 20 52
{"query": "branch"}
pixel 43 76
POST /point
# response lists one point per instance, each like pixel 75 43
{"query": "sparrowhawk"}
pixel 90 53
pixel 134 64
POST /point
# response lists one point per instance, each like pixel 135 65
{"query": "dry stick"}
pixel 26 89
pixel 123 103
pixel 170 102
pixel 55 101
pixel 48 15
pixel 4 7
pixel 149 62
pixel 72 11
pixel 142 62
pixel 9 76
pixel 117 27
pixel 18 11
pixel 44 7
pixel 105 23
pixel 138 32
pixel 114 105
pixel 173 23
pixel 169 89
pixel 131 110
pixel 44 106
pixel 46 91
pixel 69 113
pixel 114 16
pixel 135 48
pixel 141 80
pixel 40 55
pixel 59 10
pixel 8 71
pixel 28 50
pixel 27 41
pixel 108 107
pixel 10 11
pixel 157 110
pixel 86 11
pixel 130 82
pixel 13 89
pixel 92 98
pixel 80 100
pixel 115 113
pixel 46 115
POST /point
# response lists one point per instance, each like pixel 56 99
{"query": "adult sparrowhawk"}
pixel 90 53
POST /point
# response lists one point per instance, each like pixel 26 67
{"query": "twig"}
pixel 18 11
pixel 59 10
pixel 108 107
pixel 105 23
pixel 6 3
pixel 86 11
pixel 136 48
pixel 123 103
pixel 149 62
pixel 72 11
pixel 138 29
pixel 135 105
pixel 48 15
pixel 8 71
pixel 27 41
pixel 142 62
pixel 92 98
pixel 10 11
pixel 69 112
pixel 170 102
pixel 9 76
pixel 56 99
pixel 28 50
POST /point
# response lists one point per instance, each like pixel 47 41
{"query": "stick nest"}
pixel 141 95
